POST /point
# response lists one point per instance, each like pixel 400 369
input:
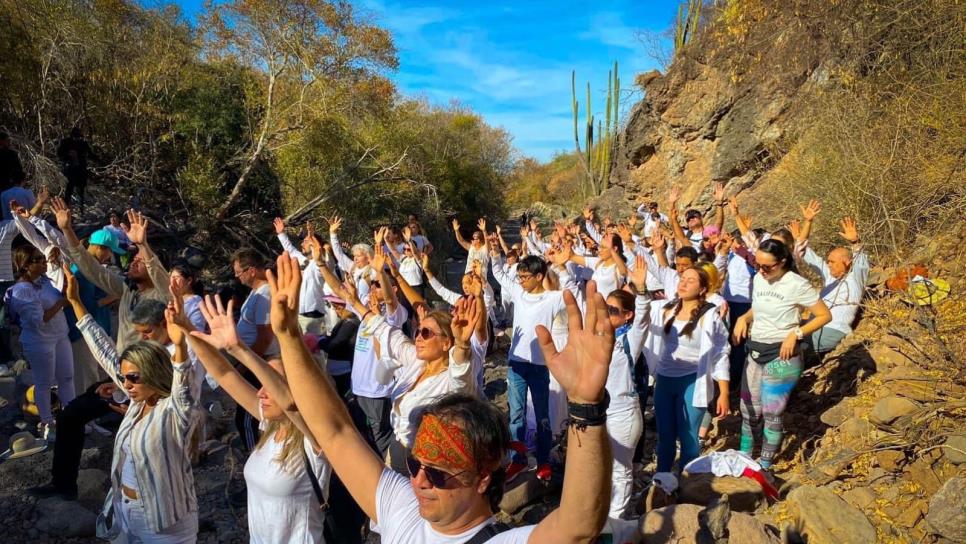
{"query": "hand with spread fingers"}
pixel 284 285
pixel 581 366
pixel 466 315
pixel 138 232
pixel 223 333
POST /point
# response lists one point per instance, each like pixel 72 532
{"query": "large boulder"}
pixel 679 523
pixel 890 409
pixel 526 488
pixel 827 519
pixel 947 516
pixel 744 494
pixel 955 449
pixel 92 485
pixel 65 518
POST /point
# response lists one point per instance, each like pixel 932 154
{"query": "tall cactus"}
pixel 595 156
pixel 686 26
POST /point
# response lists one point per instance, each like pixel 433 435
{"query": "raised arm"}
pixel 321 406
pixel 108 281
pixel 138 234
pixel 499 236
pixel 287 244
pixel 21 218
pixel 345 263
pixel 808 217
pixel 459 237
pixel 185 387
pixel 581 369
pixel 100 343
pixel 720 203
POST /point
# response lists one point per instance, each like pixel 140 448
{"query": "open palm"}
pixel 223 333
pixel 581 367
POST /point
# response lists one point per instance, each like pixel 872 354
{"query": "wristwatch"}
pixel 799 333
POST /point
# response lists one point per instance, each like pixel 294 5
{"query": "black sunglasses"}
pixel 132 377
pixel 614 310
pixel 435 476
pixel 38 259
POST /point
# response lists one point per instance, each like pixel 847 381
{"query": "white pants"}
pixel 51 362
pixel 624 429
pixel 134 525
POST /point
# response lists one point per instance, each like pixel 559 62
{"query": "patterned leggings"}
pixel 765 390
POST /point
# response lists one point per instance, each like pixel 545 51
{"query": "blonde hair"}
pixel 154 363
pixel 714 278
pixel 292 446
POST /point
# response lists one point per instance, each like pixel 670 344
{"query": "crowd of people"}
pixel 358 375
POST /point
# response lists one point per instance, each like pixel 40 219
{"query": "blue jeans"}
pixel 677 420
pixel 523 375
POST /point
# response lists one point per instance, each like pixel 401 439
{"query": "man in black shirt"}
pixel 73 153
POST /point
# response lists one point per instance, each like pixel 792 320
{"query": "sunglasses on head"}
pixel 435 476
pixel 132 377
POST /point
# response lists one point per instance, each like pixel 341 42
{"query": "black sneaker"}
pixel 50 490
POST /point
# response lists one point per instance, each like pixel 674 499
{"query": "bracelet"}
pixel 365 315
pixel 588 415
pixel 462 346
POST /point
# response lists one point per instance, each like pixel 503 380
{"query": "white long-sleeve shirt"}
pixel 361 276
pixel 842 296
pixel 620 378
pixel 313 288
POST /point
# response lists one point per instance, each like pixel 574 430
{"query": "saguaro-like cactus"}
pixel 595 155
pixel 686 26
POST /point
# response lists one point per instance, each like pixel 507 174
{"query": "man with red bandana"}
pixel 456 464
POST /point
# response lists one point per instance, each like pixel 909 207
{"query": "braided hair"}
pixel 677 303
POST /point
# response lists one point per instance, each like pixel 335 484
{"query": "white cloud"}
pixel 608 28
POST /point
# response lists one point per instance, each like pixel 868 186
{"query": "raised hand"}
pixel 638 276
pixel 497 228
pixel 719 192
pixel 811 210
pixel 138 233
pixel 850 230
pixel 481 224
pixel 795 227
pixel 625 233
pixel 744 222
pixel 223 333
pixel 524 231
pixel 279 225
pixel 588 214
pixel 61 213
pixel 632 220
pixel 673 197
pixel 18 209
pixel 284 285
pixel 335 223
pixel 581 367
pixel 378 256
pixel 425 261
pixel 175 319
pixel 71 290
pixel 657 240
pixel 560 256
pixel 407 234
pixel 733 205
pixel 379 235
pixel 456 224
pixel 466 315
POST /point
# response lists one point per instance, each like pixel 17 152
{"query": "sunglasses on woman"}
pixel 426 333
pixel 132 377
pixel 614 310
pixel 38 259
pixel 767 268
pixel 436 477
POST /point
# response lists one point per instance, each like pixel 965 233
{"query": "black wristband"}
pixel 589 415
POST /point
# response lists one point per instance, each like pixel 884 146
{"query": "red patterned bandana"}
pixel 443 445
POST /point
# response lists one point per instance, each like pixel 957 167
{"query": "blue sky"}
pixel 511 61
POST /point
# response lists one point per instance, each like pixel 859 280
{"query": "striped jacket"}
pixel 159 442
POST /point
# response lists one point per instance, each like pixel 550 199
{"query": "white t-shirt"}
pixel 530 310
pixel 777 306
pixel 400 523
pixel 737 285
pixel 681 353
pixel 282 506
pixel 477 254
pixel 410 270
pixel 364 361
pixel 607 277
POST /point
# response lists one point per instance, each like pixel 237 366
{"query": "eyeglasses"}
pixel 614 310
pixel 242 271
pixel 426 333
pixel 435 476
pixel 524 277
pixel 132 377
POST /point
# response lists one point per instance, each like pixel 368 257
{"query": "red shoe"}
pixel 514 469
pixel 544 472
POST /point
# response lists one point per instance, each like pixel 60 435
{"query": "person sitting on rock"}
pixel 844 273
pixel 456 461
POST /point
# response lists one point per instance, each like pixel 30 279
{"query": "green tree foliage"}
pixel 263 108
